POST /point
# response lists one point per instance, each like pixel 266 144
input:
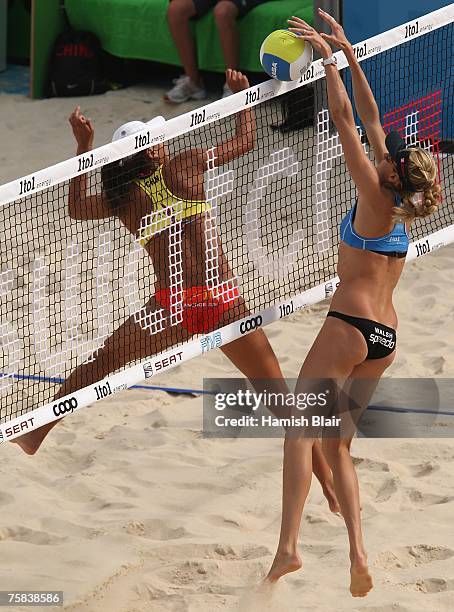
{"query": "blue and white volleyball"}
pixel 285 56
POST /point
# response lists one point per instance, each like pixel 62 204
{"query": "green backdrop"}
pixel 138 29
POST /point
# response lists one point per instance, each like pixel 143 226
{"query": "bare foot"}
pixel 361 581
pixel 283 563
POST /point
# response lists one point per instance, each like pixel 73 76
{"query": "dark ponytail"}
pixel 117 177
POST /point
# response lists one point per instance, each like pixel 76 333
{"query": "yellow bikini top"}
pixel 166 207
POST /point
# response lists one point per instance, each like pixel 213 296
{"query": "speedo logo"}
pixel 388 342
pixel 65 406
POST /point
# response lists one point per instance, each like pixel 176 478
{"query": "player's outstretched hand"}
pixel 236 80
pixel 303 29
pixel 337 37
pixel 83 130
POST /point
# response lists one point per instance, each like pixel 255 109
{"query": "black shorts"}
pixel 380 339
pixel 244 6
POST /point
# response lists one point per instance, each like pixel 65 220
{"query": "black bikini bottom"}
pixel 380 339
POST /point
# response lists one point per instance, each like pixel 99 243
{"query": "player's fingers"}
pixel 328 37
pixel 299 20
pixel 327 17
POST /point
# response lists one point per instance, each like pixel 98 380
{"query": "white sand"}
pixel 126 507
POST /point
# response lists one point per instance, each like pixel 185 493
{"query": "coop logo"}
pixel 148 369
pixel 250 324
pixel 62 408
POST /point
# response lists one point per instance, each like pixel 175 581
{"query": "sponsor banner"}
pixel 216 110
pixel 168 360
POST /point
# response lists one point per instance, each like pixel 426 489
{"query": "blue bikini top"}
pixel 393 244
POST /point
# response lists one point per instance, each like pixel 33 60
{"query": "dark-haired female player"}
pixel 132 188
pixel 358 338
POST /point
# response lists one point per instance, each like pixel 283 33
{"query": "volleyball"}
pixel 285 56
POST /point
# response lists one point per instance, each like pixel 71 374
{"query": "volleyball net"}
pixel 119 264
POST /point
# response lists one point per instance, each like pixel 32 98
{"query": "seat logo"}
pixel 68 405
pixel 250 324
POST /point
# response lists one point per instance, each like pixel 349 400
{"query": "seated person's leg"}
pixel 226 12
pixel 189 85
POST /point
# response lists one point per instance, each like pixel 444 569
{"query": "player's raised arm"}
pixel 365 102
pixel 361 168
pixel 245 132
pixel 81 206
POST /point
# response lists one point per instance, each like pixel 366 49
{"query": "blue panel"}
pixel 367 18
pixel 417 76
pixel 276 67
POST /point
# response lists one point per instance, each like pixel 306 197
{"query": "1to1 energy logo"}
pixel 103 390
pixel 252 96
pixel 65 406
pixel 422 248
pixel 363 50
pixel 308 75
pixel 198 118
pixel 86 162
pixel 28 185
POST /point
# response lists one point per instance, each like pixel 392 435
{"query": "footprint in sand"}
pixel 387 490
pixel 30 536
pixel 424 469
pixel 155 529
pixel 434 585
pixel 241 552
pixel 427 499
pixel 369 464
pixel 412 556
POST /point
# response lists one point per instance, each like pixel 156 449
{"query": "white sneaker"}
pixel 226 92
pixel 184 89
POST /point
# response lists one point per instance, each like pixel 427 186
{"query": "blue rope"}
pixel 185 391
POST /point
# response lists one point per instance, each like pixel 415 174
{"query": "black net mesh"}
pixel 143 269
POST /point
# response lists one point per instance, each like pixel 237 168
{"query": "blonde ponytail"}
pixel 422 172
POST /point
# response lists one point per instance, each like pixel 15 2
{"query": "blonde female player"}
pixel 132 188
pixel 358 338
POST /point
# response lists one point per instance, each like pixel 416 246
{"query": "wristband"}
pixel 330 60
